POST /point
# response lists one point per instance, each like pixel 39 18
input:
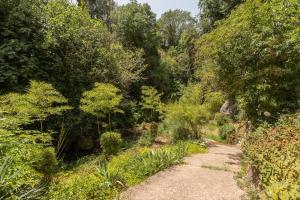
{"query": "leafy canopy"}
pixel 213 10
pixel 172 24
pixel 43 101
pixel 255 57
pixel 101 100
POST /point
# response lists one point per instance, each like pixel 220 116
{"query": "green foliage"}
pixel 29 161
pixel 101 101
pixel 172 24
pixel 213 10
pixel 81 186
pixel 99 9
pixel 47 162
pixel 178 61
pixel 97 57
pixel 21 37
pixel 255 56
pixel 146 139
pixel 105 181
pixel 111 142
pixel 150 100
pixel 183 121
pixel 43 101
pixel 135 166
pixel 273 151
pixel 222 119
pixel 227 132
pixel 29 152
pixel 214 101
pixel 135 26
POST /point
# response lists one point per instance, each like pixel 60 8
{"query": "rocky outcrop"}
pixel 229 108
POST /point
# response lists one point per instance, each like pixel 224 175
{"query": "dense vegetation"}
pixel 105 81
pixel 274 154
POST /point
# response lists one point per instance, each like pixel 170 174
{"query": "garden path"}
pixel 207 176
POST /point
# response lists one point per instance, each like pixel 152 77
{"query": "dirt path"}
pixel 203 177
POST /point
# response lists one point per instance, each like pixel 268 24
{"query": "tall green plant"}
pixel 103 100
pixel 43 101
pixel 150 100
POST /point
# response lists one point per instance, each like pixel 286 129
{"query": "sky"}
pixel 161 6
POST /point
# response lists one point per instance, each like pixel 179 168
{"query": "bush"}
pixel 227 132
pixel 222 119
pixel 111 142
pixel 146 139
pixel 183 121
pixel 214 101
pixel 273 151
pixel 47 162
pixel 81 186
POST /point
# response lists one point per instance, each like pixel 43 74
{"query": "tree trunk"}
pixel 41 124
pixel 109 121
pixel 98 125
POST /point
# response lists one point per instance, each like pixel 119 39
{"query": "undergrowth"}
pixel 274 153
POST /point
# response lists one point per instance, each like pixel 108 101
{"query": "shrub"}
pixel 81 186
pixel 273 151
pixel 111 142
pixel 227 131
pixel 214 101
pixel 47 162
pixel 150 100
pixel 146 139
pixel 222 119
pixel 183 121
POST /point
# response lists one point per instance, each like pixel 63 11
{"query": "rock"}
pixel 162 140
pixel 267 114
pixel 229 108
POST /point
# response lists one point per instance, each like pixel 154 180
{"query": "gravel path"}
pixel 203 177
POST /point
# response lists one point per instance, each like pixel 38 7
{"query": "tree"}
pixel 254 54
pixel 172 24
pixel 135 25
pixel 150 100
pixel 99 9
pixel 39 102
pixel 81 51
pixel 43 101
pixel 29 152
pixel 21 37
pixel 101 101
pixel 213 10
